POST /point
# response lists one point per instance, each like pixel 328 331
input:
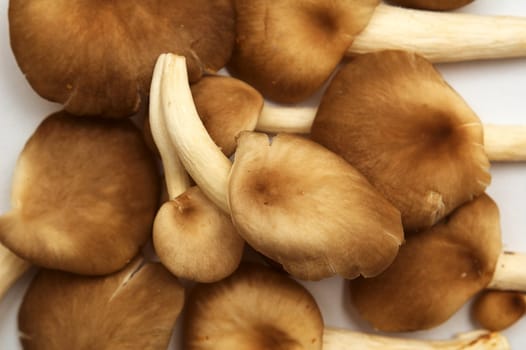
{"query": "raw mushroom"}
pixel 135 308
pixel 85 192
pixel 438 270
pixel 11 269
pixel 193 238
pixel 497 310
pixel 96 57
pixel 435 5
pixel 288 60
pixel 257 309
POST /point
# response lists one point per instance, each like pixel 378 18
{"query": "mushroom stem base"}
pixel 11 269
pixel 510 273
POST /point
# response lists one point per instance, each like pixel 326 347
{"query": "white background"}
pixel 495 90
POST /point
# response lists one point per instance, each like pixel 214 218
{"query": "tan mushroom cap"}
pixel 435 272
pixel 226 106
pixel 195 240
pixel 97 57
pixel 392 116
pixel 287 49
pixel 84 196
pixel 254 309
pixel 498 310
pixel 135 308
pixel 309 210
pixel 437 5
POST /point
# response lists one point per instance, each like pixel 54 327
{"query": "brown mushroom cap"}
pixel 195 240
pixel 497 310
pixel 437 5
pixel 287 49
pixel 392 116
pixel 135 308
pixel 97 57
pixel 309 210
pixel 435 272
pixel 254 309
pixel 85 193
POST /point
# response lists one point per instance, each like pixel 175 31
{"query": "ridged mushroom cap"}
pixel 497 310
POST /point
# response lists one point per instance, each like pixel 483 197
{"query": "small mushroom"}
pixel 84 195
pixel 300 205
pixel 497 310
pixel 96 57
pixel 435 5
pixel 257 308
pixel 193 238
pixel 11 269
pixel 438 270
pixel 135 308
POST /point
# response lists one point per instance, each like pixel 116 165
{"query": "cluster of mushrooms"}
pixel 377 184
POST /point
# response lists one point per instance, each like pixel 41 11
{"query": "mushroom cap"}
pixel 287 49
pixel 85 193
pixel 392 116
pixel 437 5
pixel 435 272
pixel 254 309
pixel 135 308
pixel 97 57
pixel 497 310
pixel 226 107
pixel 195 240
pixel 309 210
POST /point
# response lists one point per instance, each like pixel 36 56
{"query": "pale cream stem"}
pixel 175 175
pixel 11 269
pixel 505 142
pixel 510 273
pixel 336 339
pixel 201 157
pixel 442 37
pixel 293 119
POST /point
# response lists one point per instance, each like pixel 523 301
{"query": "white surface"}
pixel 495 90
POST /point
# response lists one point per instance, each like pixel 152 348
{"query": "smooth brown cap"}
pixel 287 49
pixel 498 310
pixel 309 210
pixel 85 193
pixel 97 57
pixel 436 5
pixel 135 308
pixel 195 240
pixel 392 116
pixel 435 272
pixel 254 309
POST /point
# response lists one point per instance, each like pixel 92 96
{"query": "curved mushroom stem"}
pixel 201 157
pixel 335 339
pixel 442 37
pixel 510 273
pixel 503 143
pixel 11 269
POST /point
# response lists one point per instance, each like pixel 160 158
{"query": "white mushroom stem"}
pixel 11 269
pixel 442 37
pixel 501 142
pixel 335 339
pixel 510 272
pixel 175 175
pixel 203 160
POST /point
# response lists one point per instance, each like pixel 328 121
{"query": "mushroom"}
pixel 435 5
pixel 11 269
pixel 84 195
pixel 96 57
pixel 135 308
pixel 438 270
pixel 257 308
pixel 292 200
pixel 288 60
pixel 193 238
pixel 497 310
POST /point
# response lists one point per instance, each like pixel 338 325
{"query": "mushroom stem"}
pixel 201 157
pixel 510 273
pixel 175 175
pixel 11 269
pixel 337 339
pixel 503 143
pixel 442 37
